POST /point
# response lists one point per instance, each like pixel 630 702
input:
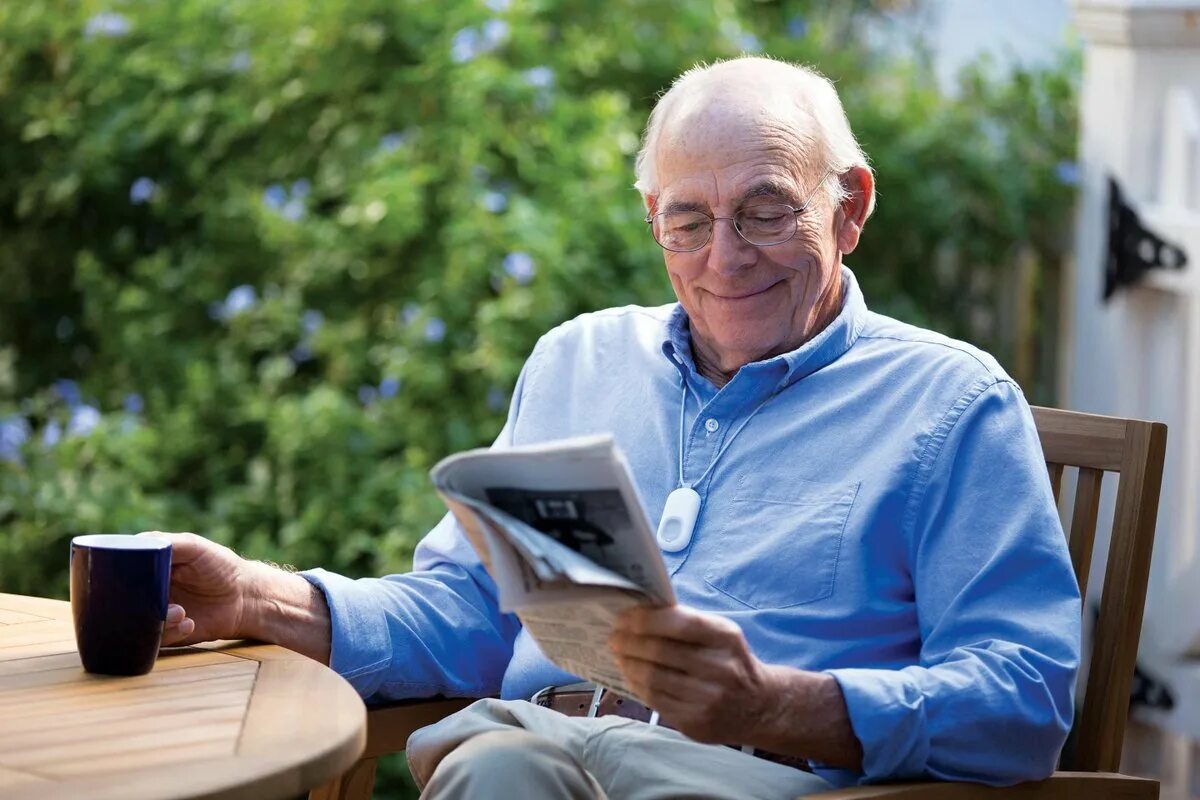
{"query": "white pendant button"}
pixel 711 426
pixel 678 520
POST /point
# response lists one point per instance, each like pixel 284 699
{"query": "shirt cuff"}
pixel 887 712
pixel 361 645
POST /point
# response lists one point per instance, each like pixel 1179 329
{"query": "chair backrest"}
pixel 1134 449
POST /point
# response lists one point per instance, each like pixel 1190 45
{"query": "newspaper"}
pixel 562 532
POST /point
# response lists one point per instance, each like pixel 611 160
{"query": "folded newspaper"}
pixel 560 529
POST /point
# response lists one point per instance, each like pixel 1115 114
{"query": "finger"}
pixel 657 684
pixel 684 657
pixel 683 624
pixel 177 633
pixel 185 547
pixel 175 614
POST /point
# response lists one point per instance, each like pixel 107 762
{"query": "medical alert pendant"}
pixel 678 520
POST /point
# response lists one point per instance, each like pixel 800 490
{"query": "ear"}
pixel 651 201
pixel 859 184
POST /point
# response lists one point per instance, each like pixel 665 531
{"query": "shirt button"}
pixel 711 426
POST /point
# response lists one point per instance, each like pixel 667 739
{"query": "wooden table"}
pixel 224 720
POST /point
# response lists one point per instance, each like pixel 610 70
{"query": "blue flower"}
pixel 142 191
pixel 241 61
pixel 311 321
pixel 14 433
pixel 108 24
pixel 391 142
pixel 52 434
pixel 409 314
pixel 389 386
pixel 367 394
pixel 84 420
pixel 133 403
pixel 301 353
pixel 1068 173
pixel 274 196
pixel 293 210
pixel 749 43
pixel 495 33
pixel 540 77
pixel 498 6
pixel 520 266
pixel 240 299
pixel 497 400
pixel 797 27
pixel 495 202
pixel 435 330
pixel 467 44
pixel 67 390
pixel 301 188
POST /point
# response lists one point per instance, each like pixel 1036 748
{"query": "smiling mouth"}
pixel 747 295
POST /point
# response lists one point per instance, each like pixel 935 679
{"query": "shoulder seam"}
pixel 947 345
pixel 933 449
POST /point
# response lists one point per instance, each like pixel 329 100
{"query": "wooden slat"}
pixel 38 606
pixel 1106 703
pixel 86 686
pixel 297 706
pixel 10 617
pixel 163 725
pixel 1083 524
pixel 1082 440
pixel 1056 474
pixel 11 777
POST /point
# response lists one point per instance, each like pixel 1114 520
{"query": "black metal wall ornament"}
pixel 1132 249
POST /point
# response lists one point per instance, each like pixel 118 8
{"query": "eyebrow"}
pixel 765 188
pixel 771 188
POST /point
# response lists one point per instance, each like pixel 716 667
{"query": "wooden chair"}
pixel 1092 444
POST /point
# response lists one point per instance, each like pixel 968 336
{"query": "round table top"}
pixel 219 720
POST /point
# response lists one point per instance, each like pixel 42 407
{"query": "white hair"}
pixel 819 117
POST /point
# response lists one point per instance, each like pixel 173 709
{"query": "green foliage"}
pixel 262 264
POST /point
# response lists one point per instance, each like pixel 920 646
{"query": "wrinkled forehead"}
pixel 724 144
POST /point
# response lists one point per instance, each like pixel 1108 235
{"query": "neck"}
pixel 720 368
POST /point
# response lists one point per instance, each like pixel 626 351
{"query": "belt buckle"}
pixel 542 697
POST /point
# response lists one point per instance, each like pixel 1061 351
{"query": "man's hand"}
pixel 697 671
pixel 208 590
pixel 217 594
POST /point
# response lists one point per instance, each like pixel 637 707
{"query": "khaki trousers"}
pixel 515 749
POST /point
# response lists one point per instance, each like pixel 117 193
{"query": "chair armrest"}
pixel 1059 786
pixel 389 725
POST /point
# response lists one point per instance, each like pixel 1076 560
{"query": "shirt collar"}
pixel 819 351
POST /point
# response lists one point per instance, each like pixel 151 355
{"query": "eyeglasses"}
pixel 761 225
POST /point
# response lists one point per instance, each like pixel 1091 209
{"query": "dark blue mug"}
pixel 119 590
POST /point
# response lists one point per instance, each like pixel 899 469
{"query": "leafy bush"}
pixel 264 263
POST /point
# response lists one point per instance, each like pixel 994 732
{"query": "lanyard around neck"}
pixel 683 504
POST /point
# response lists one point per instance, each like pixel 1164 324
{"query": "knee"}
pixel 495 755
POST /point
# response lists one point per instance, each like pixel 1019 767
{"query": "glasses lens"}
pixel 682 231
pixel 767 224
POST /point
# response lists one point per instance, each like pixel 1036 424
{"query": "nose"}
pixel 728 252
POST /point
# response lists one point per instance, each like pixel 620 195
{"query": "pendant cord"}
pixel 724 447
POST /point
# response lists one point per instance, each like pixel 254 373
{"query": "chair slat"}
pixel 1056 473
pixel 1083 524
pixel 1081 440
pixel 1118 629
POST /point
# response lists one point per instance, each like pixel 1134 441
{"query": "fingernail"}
pixel 174 613
pixel 186 627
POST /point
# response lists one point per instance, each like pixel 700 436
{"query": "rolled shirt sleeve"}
pixel 435 630
pixel 998 608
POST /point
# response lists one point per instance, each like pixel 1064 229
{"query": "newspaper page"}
pixel 562 532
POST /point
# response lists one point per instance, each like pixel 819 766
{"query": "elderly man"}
pixel 877 586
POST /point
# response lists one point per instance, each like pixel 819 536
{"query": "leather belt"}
pixel 578 700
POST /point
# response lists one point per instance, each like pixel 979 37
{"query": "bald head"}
pixel 751 101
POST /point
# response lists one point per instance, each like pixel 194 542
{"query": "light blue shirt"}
pixel 885 517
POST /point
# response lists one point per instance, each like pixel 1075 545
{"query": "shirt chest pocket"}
pixel 780 541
